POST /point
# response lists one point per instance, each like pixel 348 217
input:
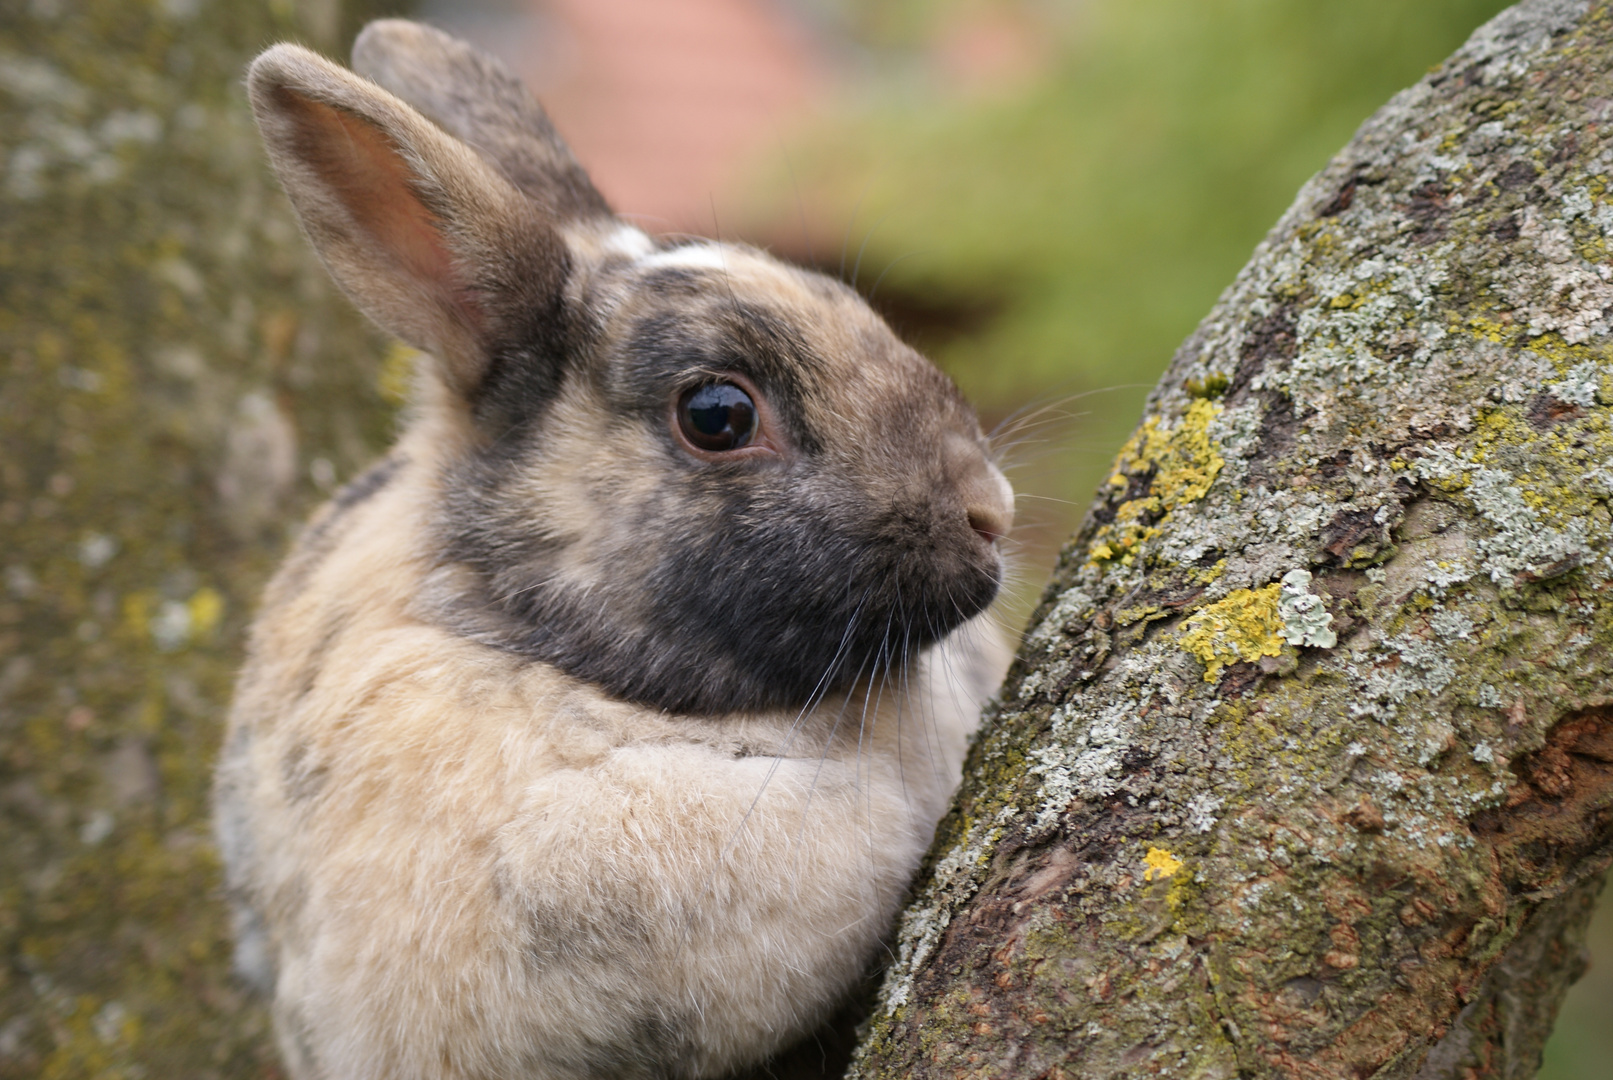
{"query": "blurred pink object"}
pixel 664 101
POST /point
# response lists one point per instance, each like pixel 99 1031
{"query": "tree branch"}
pixel 1306 766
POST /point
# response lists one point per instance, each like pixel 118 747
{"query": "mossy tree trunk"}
pixel 1306 767
pixel 178 383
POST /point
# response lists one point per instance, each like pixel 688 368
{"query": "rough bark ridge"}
pixel 1307 763
pixel 178 384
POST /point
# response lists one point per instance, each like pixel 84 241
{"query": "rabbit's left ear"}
pixel 424 235
pixel 475 99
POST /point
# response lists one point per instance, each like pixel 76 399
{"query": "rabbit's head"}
pixel 691 474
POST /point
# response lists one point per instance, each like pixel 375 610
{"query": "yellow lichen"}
pixel 1211 386
pixel 1160 863
pixel 1564 356
pixel 1245 625
pixel 1489 329
pixel 1502 433
pixel 1183 461
pixel 1127 616
pixel 206 608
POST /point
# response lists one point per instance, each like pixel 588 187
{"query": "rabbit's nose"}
pixel 987 498
pixel 990 503
pixel 990 522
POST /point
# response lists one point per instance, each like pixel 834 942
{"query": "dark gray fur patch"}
pixel 656 1046
pixel 757 583
pixel 648 1042
pixel 368 482
pixel 671 350
pixel 647 1046
pixel 561 936
pixel 302 774
pixel 773 594
pixel 308 675
pixel 321 537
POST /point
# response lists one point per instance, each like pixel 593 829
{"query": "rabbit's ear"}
pixel 426 237
pixel 474 98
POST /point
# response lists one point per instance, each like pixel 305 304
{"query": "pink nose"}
pixel 988 501
pixel 990 522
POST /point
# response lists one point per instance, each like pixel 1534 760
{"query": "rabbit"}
pixel 599 728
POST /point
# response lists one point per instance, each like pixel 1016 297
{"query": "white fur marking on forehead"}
pixel 629 241
pixel 694 256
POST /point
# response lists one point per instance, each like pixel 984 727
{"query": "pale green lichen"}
pixel 1304 617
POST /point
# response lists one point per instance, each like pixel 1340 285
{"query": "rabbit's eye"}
pixel 717 416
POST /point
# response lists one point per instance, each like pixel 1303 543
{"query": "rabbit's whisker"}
pixel 869 235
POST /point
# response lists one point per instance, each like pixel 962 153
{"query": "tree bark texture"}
pixel 1306 766
pixel 178 384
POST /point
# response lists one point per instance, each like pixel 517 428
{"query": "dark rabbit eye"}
pixel 717 416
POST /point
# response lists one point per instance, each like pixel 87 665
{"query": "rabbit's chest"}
pixel 464 772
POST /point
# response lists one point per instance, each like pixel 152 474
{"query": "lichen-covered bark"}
pixel 177 385
pixel 1306 766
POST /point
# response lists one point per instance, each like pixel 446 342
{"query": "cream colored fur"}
pixel 451 861
pixel 503 869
